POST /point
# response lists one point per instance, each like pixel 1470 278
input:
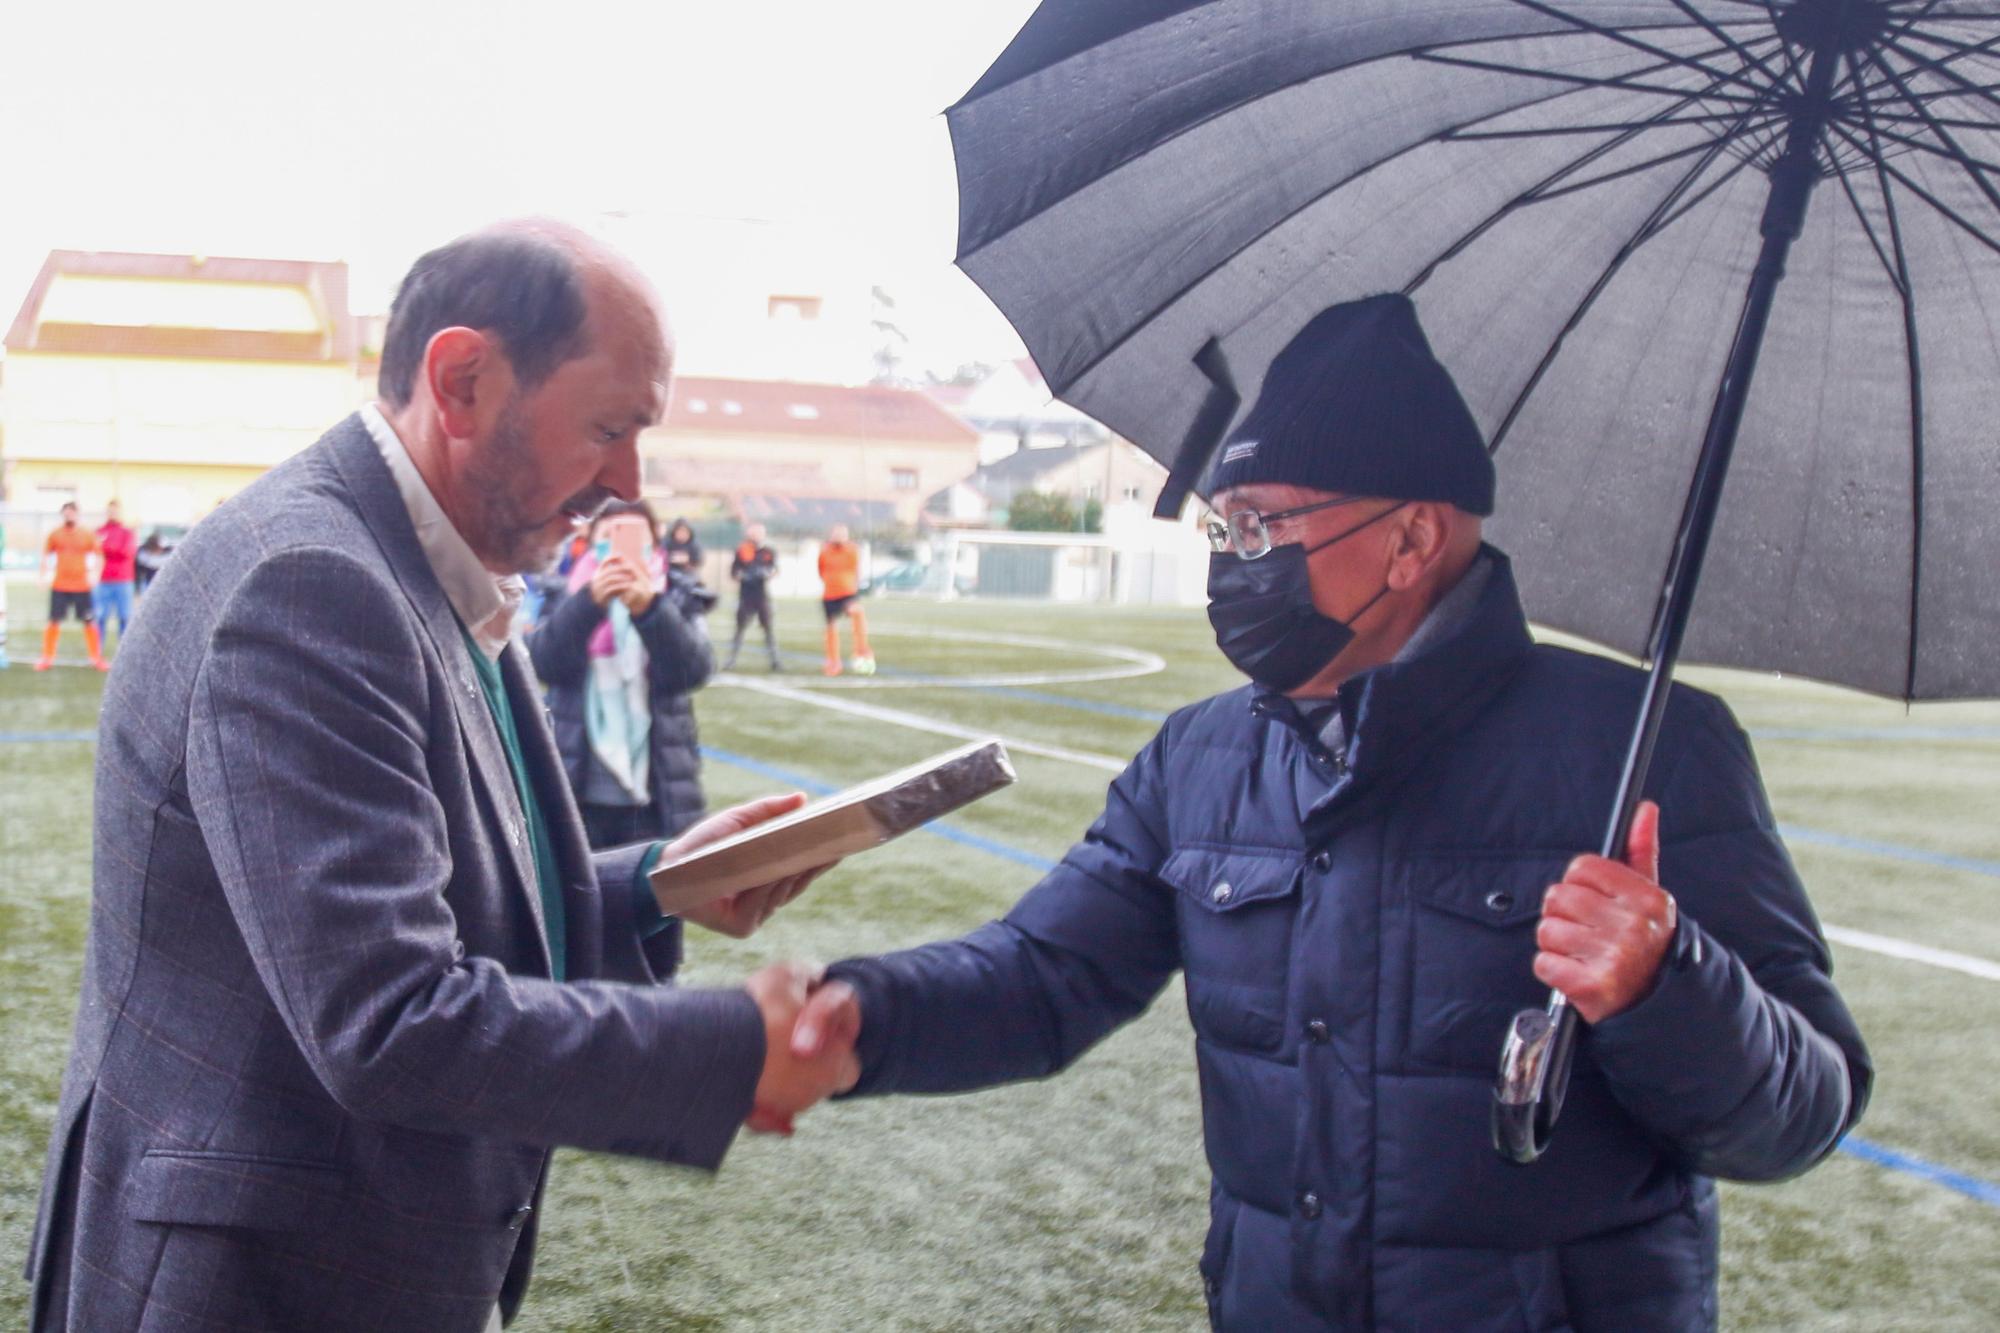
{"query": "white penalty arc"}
pixel 1124 664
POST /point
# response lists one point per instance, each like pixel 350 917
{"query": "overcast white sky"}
pixel 368 131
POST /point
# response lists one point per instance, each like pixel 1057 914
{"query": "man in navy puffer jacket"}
pixel 1364 862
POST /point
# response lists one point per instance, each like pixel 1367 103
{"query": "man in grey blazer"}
pixel 352 971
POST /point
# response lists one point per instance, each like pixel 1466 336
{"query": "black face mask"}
pixel 1264 618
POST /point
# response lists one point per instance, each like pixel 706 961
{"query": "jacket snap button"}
pixel 1323 862
pixel 1316 1032
pixel 1499 900
pixel 1221 893
pixel 1309 1205
pixel 519 1217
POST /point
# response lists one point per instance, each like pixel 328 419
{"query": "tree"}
pixel 1047 511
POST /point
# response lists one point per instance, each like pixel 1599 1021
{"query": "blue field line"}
pixel 1970 1186
pixel 1894 851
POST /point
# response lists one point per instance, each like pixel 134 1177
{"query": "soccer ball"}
pixel 862 666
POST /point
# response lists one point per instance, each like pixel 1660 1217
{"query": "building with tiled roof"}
pixel 169 381
pixel 799 457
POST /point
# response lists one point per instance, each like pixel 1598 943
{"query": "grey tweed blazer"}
pixel 318 1063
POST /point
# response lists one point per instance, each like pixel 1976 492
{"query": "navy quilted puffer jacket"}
pixel 1356 932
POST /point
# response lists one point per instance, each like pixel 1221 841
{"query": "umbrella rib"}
pixel 1867 227
pixel 1914 363
pixel 1611 127
pixel 1646 231
pixel 1714 29
pixel 1972 167
pixel 1110 348
pixel 1578 187
pixel 1492 219
pixel 1623 82
pixel 1694 201
pixel 1951 152
pixel 1627 39
pixel 1942 207
pixel 1921 63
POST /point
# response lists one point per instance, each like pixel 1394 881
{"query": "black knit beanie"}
pixel 1356 403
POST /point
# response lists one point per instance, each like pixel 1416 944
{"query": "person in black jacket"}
pixel 752 567
pixel 683 549
pixel 1363 863
pixel 620 650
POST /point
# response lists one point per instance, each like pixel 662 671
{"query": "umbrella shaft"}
pixel 1792 180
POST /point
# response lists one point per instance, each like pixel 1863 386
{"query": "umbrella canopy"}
pixel 1572 194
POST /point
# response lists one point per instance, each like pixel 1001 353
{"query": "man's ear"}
pixel 1419 543
pixel 460 367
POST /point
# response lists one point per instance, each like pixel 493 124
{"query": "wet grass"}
pixel 1080 1202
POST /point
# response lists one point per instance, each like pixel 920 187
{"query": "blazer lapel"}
pixel 381 507
pixel 538 748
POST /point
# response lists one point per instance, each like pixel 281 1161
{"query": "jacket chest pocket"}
pixel 1236 912
pixel 1472 950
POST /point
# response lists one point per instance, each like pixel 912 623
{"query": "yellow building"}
pixel 799 457
pixel 168 382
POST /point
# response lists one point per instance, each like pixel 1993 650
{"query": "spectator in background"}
pixel 620 649
pixel 752 567
pixel 66 561
pixel 684 549
pixel 147 560
pixel 840 573
pixel 119 546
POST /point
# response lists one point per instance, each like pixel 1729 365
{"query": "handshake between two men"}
pixel 810 1025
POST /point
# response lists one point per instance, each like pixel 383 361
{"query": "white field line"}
pixel 1914 953
pixel 1887 946
pixel 918 722
pixel 1127 662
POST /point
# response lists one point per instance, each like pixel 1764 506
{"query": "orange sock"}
pixel 94 644
pixel 50 633
pixel 860 633
pixel 833 647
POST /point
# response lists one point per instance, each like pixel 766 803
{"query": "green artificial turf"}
pixel 1079 1202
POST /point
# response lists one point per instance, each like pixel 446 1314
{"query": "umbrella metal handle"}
pixel 1534 1075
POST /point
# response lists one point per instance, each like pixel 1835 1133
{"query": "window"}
pixel 1131 492
pixel 697 405
pixel 803 412
pixel 903 478
pixel 792 307
pixel 731 408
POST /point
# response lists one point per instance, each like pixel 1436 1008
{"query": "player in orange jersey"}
pixel 70 549
pixel 840 572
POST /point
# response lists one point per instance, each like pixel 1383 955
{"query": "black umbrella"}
pixel 1592 205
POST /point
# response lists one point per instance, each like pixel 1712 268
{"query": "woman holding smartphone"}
pixel 620 651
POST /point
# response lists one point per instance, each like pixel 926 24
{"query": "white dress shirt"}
pixel 485 601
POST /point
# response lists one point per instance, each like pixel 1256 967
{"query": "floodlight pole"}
pixel 1535 1060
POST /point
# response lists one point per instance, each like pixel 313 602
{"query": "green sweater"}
pixel 548 878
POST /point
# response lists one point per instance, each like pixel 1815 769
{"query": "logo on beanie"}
pixel 1239 451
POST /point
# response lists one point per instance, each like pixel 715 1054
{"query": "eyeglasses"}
pixel 1247 532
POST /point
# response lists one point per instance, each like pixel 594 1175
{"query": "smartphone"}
pixel 630 539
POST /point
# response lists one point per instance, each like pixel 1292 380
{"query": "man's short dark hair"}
pixel 522 289
pixel 67 505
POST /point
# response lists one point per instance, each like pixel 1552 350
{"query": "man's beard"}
pixel 508 537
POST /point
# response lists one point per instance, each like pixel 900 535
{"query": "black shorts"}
pixel 61 603
pixel 836 607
